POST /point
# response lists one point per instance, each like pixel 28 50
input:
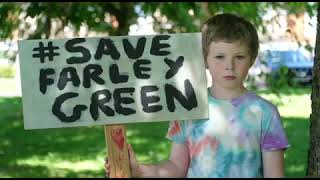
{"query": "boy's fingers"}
pixel 106 161
pixel 107 174
pixel 107 170
pixel 132 156
pixel 131 153
pixel 107 166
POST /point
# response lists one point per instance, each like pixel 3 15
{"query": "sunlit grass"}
pixel 296 168
pixel 7 85
pixel 291 105
pixel 54 162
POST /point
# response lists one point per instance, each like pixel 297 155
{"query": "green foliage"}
pixel 9 13
pixel 252 11
pixel 183 16
pixel 176 13
pixel 93 14
pixel 281 79
pixel 278 79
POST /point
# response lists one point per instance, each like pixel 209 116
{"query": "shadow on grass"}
pixel 297 130
pixel 148 141
pixel 66 144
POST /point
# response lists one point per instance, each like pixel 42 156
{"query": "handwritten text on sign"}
pixel 112 80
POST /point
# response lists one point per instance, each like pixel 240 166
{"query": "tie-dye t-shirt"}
pixel 231 141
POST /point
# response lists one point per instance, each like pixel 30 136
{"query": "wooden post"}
pixel 116 142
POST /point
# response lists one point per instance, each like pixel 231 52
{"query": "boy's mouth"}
pixel 229 77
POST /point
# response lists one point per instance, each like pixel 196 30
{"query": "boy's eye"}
pixel 219 57
pixel 240 57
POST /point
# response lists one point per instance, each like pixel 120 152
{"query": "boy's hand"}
pixel 135 167
pixel 107 166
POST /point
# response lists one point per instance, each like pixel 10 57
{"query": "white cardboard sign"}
pixel 112 80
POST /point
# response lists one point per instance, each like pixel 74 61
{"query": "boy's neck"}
pixel 226 93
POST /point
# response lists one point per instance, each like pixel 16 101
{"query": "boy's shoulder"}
pixel 256 99
pixel 249 99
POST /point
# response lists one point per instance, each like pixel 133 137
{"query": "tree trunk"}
pixel 313 166
pixel 124 17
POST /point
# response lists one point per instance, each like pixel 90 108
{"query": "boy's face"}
pixel 228 63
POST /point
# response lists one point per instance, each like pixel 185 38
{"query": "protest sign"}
pixel 112 80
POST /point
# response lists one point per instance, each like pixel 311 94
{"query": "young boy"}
pixel 243 136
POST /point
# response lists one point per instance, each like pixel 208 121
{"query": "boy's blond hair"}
pixel 230 28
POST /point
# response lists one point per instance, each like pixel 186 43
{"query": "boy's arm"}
pixel 176 166
pixel 273 164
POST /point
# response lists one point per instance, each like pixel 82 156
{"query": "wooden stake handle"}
pixel 116 142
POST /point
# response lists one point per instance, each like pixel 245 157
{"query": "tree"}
pixel 116 17
pixel 313 169
pixel 112 17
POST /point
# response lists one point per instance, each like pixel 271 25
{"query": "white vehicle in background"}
pixel 8 52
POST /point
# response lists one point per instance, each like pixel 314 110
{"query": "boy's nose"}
pixel 230 65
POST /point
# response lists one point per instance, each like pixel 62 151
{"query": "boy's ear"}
pixel 206 64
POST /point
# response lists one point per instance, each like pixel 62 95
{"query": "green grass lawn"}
pixel 79 152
